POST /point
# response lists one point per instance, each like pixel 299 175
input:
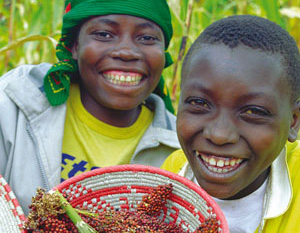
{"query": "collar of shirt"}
pixel 277 197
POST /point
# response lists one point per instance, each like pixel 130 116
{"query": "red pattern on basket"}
pixel 13 203
pixel 97 203
pixel 198 205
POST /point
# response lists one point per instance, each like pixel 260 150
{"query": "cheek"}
pixel 263 147
pixel 87 55
pixel 186 129
pixel 87 63
pixel 263 138
pixel 266 143
pixel 156 60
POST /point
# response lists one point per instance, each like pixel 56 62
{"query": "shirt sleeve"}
pixel 175 161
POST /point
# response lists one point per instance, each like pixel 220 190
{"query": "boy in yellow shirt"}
pixel 237 110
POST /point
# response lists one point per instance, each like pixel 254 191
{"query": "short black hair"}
pixel 257 33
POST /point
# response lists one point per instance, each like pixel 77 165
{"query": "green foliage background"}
pixel 30 29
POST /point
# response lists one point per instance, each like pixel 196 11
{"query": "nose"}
pixel 126 50
pixel 221 130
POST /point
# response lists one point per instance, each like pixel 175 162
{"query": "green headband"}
pixel 57 80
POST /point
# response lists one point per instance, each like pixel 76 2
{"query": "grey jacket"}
pixel 31 134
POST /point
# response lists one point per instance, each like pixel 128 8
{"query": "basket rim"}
pixel 12 209
pixel 149 169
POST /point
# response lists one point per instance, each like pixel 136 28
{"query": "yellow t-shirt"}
pixel 287 222
pixel 89 143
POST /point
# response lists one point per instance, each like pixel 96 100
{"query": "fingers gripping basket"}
pixel 122 187
pixel 11 213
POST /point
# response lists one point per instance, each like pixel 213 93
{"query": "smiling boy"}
pixel 103 103
pixel 238 107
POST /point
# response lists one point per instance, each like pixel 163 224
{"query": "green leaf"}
pixel 271 8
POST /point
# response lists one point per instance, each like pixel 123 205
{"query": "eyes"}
pixel 198 105
pixel 257 111
pixel 102 35
pixel 106 36
pixel 250 113
pixel 148 39
pixel 255 114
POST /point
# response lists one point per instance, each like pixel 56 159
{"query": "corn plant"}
pixel 30 29
pixel 189 21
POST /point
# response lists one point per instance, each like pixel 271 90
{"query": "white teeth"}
pixel 219 170
pixel 220 163
pixel 214 169
pixel 212 161
pixel 123 79
pixel 232 162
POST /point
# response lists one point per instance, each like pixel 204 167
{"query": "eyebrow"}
pixel 107 21
pixel 140 25
pixel 146 25
pixel 248 96
pixel 197 87
pixel 267 97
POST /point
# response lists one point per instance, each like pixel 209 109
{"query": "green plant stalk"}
pixel 12 20
pixel 81 225
pixel 10 28
pixel 271 7
pixel 182 49
pixel 23 40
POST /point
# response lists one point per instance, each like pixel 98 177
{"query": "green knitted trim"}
pixel 163 92
pixel 57 81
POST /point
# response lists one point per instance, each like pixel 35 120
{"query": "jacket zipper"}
pixel 44 177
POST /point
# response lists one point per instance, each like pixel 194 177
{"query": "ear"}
pixel 75 50
pixel 295 124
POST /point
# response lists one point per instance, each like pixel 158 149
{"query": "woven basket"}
pixel 122 187
pixel 11 213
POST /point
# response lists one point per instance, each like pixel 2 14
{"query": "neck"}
pixel 253 186
pixel 114 117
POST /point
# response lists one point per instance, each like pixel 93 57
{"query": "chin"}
pixel 219 192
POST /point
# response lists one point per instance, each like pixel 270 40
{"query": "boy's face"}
pixel 234 117
pixel 120 60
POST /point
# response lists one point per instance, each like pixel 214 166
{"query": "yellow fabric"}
pixel 89 143
pixel 289 222
pixel 175 161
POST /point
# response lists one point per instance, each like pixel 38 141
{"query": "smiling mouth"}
pixel 123 78
pixel 219 164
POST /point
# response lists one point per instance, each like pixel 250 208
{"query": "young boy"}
pixel 95 107
pixel 238 108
